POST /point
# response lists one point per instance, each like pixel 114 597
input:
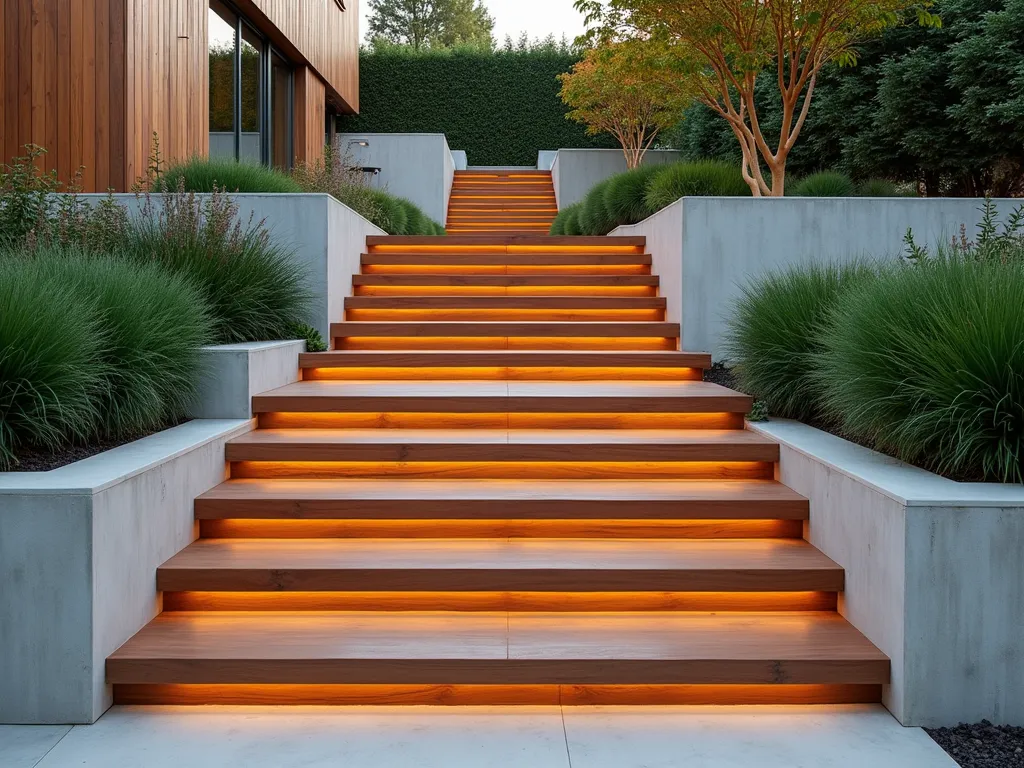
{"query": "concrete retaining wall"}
pixel 934 573
pixel 416 166
pixel 79 547
pixel 575 171
pixel 233 373
pixel 705 248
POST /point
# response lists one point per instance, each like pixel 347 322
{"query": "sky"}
pixel 538 18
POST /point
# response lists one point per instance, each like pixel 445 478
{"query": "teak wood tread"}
pixel 490 445
pixel 511 241
pixel 504 358
pixel 498 648
pixel 505 329
pixel 501 397
pixel 506 259
pixel 547 565
pixel 502 499
pixel 504 302
pixel 506 280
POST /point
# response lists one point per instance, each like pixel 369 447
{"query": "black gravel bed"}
pixel 719 373
pixel 982 745
pixel 31 459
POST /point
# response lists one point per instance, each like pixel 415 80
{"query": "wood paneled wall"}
pixel 326 36
pixel 167 83
pixel 310 116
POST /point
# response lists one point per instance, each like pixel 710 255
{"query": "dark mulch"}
pixel 719 373
pixel 982 745
pixel 31 459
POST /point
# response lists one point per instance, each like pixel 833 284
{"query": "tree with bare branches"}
pixel 723 46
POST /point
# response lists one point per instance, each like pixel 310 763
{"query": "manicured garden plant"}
pixel 625 196
pixel 153 324
pixel 702 177
pixel 594 218
pixel 314 341
pixel 774 334
pixel 571 222
pixel 254 287
pixel 877 188
pixel 203 174
pixel 928 364
pixel 824 184
pixel 52 371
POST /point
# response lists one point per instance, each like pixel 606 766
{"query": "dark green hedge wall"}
pixel 500 107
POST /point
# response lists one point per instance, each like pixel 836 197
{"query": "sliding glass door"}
pixel 250 92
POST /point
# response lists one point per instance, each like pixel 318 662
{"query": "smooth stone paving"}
pixel 478 737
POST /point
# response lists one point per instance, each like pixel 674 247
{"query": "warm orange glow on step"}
pixel 347 528
pixel 560 373
pixel 506 269
pixel 501 420
pixel 502 342
pixel 538 315
pixel 506 290
pixel 502 248
pixel 510 470
pixel 500 601
pixel 498 695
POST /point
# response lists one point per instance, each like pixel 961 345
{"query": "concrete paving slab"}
pixel 23 746
pixel 746 737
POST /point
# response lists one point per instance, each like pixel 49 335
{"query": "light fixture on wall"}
pixel 359 143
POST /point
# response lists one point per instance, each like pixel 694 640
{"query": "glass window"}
pixel 251 145
pixel 222 35
pixel 280 112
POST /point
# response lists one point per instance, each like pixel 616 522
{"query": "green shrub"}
pixel 314 341
pixel 703 177
pixel 558 224
pixel 877 188
pixel 928 364
pixel 416 221
pixel 773 334
pixel 500 106
pixel 571 222
pixel 254 287
pixel 154 323
pixel 594 218
pixel 625 196
pixel 52 370
pixel 824 184
pixel 203 174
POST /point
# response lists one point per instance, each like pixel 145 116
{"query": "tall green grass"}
pixel 571 221
pixel 877 188
pixel 774 334
pixel 625 195
pixel 703 177
pixel 927 363
pixel 594 216
pixel 204 174
pixel 824 184
pixel 254 286
pixel 52 369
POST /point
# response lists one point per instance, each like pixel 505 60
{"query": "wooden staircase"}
pixel 505 484
pixel 501 202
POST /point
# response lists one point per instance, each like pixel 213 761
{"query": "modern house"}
pixel 92 81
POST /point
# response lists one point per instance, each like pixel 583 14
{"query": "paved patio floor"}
pixel 477 737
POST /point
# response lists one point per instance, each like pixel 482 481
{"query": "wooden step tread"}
pixel 505 302
pixel 496 648
pixel 618 241
pixel 501 329
pixel 496 445
pixel 500 499
pixel 505 358
pixel 508 397
pixel 505 259
pixel 506 280
pixel 549 565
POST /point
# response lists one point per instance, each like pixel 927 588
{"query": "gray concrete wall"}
pixel 324 236
pixel 722 242
pixel 413 166
pixel 546 159
pixel 233 373
pixel 575 171
pixel 934 573
pixel 460 159
pixel 79 548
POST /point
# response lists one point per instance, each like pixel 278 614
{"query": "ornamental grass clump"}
pixel 52 369
pixel 700 178
pixel 571 221
pixel 625 195
pixel 254 286
pixel 824 184
pixel 927 364
pixel 774 335
pixel 205 174
pixel 594 217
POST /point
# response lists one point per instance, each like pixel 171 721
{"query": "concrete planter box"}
pixel 934 573
pixel 417 166
pixel 705 248
pixel 79 547
pixel 326 238
pixel 575 171
pixel 235 372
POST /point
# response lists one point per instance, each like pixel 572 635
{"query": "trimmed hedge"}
pixel 501 107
